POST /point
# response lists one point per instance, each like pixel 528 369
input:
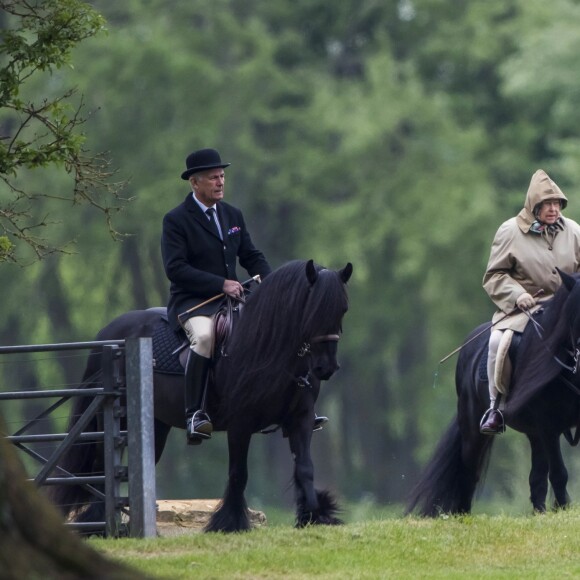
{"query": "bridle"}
pixel 304 381
pixel 306 349
pixel 574 352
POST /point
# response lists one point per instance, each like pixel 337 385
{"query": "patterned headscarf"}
pixel 548 231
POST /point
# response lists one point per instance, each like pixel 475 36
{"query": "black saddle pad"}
pixel 483 367
pixel 166 349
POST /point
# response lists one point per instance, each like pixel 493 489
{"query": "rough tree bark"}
pixel 34 543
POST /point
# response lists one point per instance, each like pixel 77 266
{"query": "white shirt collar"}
pixel 203 207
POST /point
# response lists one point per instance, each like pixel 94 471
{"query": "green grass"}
pixel 478 546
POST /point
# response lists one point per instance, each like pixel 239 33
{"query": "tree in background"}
pixel 38 131
pixel 35 38
pixel 397 135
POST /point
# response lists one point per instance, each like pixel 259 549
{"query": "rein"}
pixel 575 353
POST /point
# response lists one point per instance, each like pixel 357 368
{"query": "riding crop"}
pixel 255 278
pixel 514 311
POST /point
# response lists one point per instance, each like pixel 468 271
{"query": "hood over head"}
pixel 541 188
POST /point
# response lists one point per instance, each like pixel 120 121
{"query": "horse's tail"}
pixel 72 500
pixel 450 479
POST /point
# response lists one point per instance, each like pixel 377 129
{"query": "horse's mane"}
pixel 536 366
pixel 278 317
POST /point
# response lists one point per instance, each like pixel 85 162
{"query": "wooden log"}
pixel 184 516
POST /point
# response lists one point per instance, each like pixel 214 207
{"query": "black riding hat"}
pixel 202 160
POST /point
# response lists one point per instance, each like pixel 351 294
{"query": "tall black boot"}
pixel 198 424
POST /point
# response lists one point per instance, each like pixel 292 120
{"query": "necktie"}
pixel 211 214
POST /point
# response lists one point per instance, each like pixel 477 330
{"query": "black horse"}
pixel 284 343
pixel 544 403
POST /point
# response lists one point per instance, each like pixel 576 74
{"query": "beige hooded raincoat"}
pixel 524 261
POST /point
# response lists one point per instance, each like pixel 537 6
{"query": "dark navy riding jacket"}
pixel 197 261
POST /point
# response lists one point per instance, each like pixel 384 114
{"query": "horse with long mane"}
pixel 280 349
pixel 544 403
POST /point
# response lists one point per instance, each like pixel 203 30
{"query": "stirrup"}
pixel 198 428
pixel 501 429
pixel 319 422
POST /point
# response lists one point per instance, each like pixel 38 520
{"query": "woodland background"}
pixel 396 135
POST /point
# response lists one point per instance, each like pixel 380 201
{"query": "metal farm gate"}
pixel 138 439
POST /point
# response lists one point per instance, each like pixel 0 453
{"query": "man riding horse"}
pixel 521 274
pixel 202 238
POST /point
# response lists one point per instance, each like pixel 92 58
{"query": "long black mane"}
pixel 267 337
pixel 536 365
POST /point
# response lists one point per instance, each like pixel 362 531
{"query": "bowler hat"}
pixel 202 160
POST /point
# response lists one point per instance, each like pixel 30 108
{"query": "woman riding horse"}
pixel 524 256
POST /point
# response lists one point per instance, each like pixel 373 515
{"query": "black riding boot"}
pixel 198 424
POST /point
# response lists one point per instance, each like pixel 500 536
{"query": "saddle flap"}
pixel 224 323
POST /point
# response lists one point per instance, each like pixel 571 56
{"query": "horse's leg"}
pixel 232 514
pixel 558 473
pixel 538 474
pixel 312 506
pixel 161 432
pixel 467 451
pixel 94 510
pixel 475 449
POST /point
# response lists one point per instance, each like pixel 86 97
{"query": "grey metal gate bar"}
pixel 139 437
pixel 141 444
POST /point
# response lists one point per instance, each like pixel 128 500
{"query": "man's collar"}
pixel 203 207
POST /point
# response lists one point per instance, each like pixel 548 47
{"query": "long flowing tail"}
pixel 80 459
pixel 450 479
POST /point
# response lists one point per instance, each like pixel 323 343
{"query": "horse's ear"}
pixel 567 280
pixel 311 272
pixel 346 273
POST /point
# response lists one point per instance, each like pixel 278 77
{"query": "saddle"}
pixel 170 347
pixel 225 319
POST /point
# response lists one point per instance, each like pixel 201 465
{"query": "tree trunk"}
pixel 33 540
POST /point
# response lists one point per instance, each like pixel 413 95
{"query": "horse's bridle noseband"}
pixel 307 345
pixel 574 352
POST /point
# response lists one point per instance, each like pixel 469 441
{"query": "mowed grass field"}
pixel 476 546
